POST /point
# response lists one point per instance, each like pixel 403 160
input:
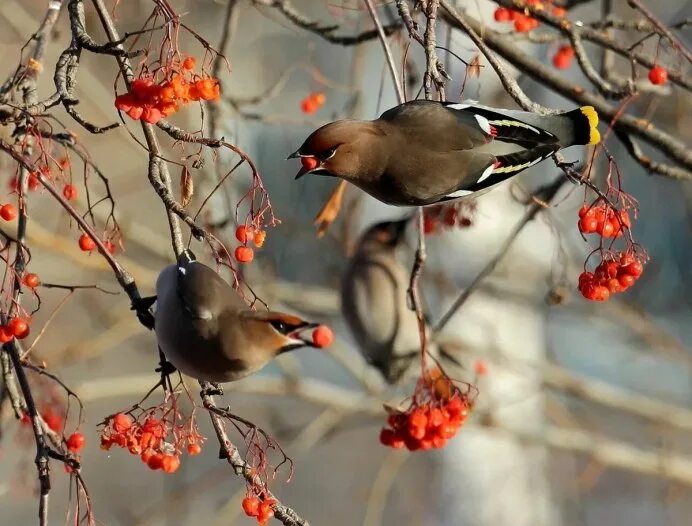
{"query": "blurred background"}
pixel 583 417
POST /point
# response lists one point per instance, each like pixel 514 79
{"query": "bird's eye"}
pixel 280 326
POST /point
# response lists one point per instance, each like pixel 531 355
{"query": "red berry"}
pixel 135 112
pixel 502 14
pixel 151 115
pixel 588 224
pixel 387 436
pixel 53 420
pixel 658 75
pixel 109 246
pixel 5 334
pixel 309 105
pixel 600 293
pixel 18 326
pixel 563 58
pixel 244 254
pixel 32 280
pixel 626 281
pixel 522 24
pixel 75 442
pixel 33 183
pixel 559 12
pixel 634 269
pixel 8 212
pixel 86 244
pixel 70 192
pixel 584 210
pixel 170 463
pixel 608 229
pixel 189 63
pixel 322 336
pixel 194 449
pixel 309 163
pixel 146 455
pixel 265 512
pixel 251 506
pixel 436 417
pixel 121 422
pixel 155 461
pixel 244 234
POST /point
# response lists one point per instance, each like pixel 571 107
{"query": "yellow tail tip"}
pixel 590 113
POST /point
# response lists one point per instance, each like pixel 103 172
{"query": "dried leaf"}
pixel 187 187
pixel 474 67
pixel 330 210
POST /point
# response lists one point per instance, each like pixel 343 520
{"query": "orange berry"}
pixel 319 98
pixel 31 280
pixel 170 463
pixel 75 442
pixel 64 163
pixel 260 236
pixel 8 212
pixel 265 512
pixel 309 105
pixel 135 112
pixel 244 254
pixel 523 24
pixel 86 244
pixel 151 115
pixel 322 336
pixel 70 192
pixel 194 449
pixel 189 63
pixel 244 234
pixel 559 11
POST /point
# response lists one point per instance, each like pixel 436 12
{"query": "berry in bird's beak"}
pixel 322 337
pixel 309 164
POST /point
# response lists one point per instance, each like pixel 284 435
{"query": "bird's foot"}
pixel 212 389
pixel 142 307
pixel 165 368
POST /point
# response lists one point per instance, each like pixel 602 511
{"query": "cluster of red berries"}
pixel 262 510
pixel 613 275
pixel 658 75
pixel 248 234
pixel 602 219
pixel 458 214
pixel 313 102
pixel 8 212
pixel 86 244
pixel 563 58
pixel 150 101
pixel 147 440
pixel 426 426
pixel 16 327
pixel 522 22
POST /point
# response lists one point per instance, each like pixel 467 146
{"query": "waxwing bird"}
pixel 207 331
pixel 424 152
pixel 374 301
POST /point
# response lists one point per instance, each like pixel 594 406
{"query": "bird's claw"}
pixel 142 307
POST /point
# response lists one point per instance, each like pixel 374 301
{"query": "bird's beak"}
pixel 294 155
pixel 303 334
pixel 301 172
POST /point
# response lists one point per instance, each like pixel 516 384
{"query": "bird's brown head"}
pixel 348 149
pixel 278 332
pixel 386 233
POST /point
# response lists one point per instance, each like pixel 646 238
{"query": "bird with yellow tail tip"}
pixel 426 152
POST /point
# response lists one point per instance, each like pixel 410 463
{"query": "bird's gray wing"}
pixel 202 292
pixel 436 128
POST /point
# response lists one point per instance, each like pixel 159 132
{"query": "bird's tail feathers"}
pixel 584 126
